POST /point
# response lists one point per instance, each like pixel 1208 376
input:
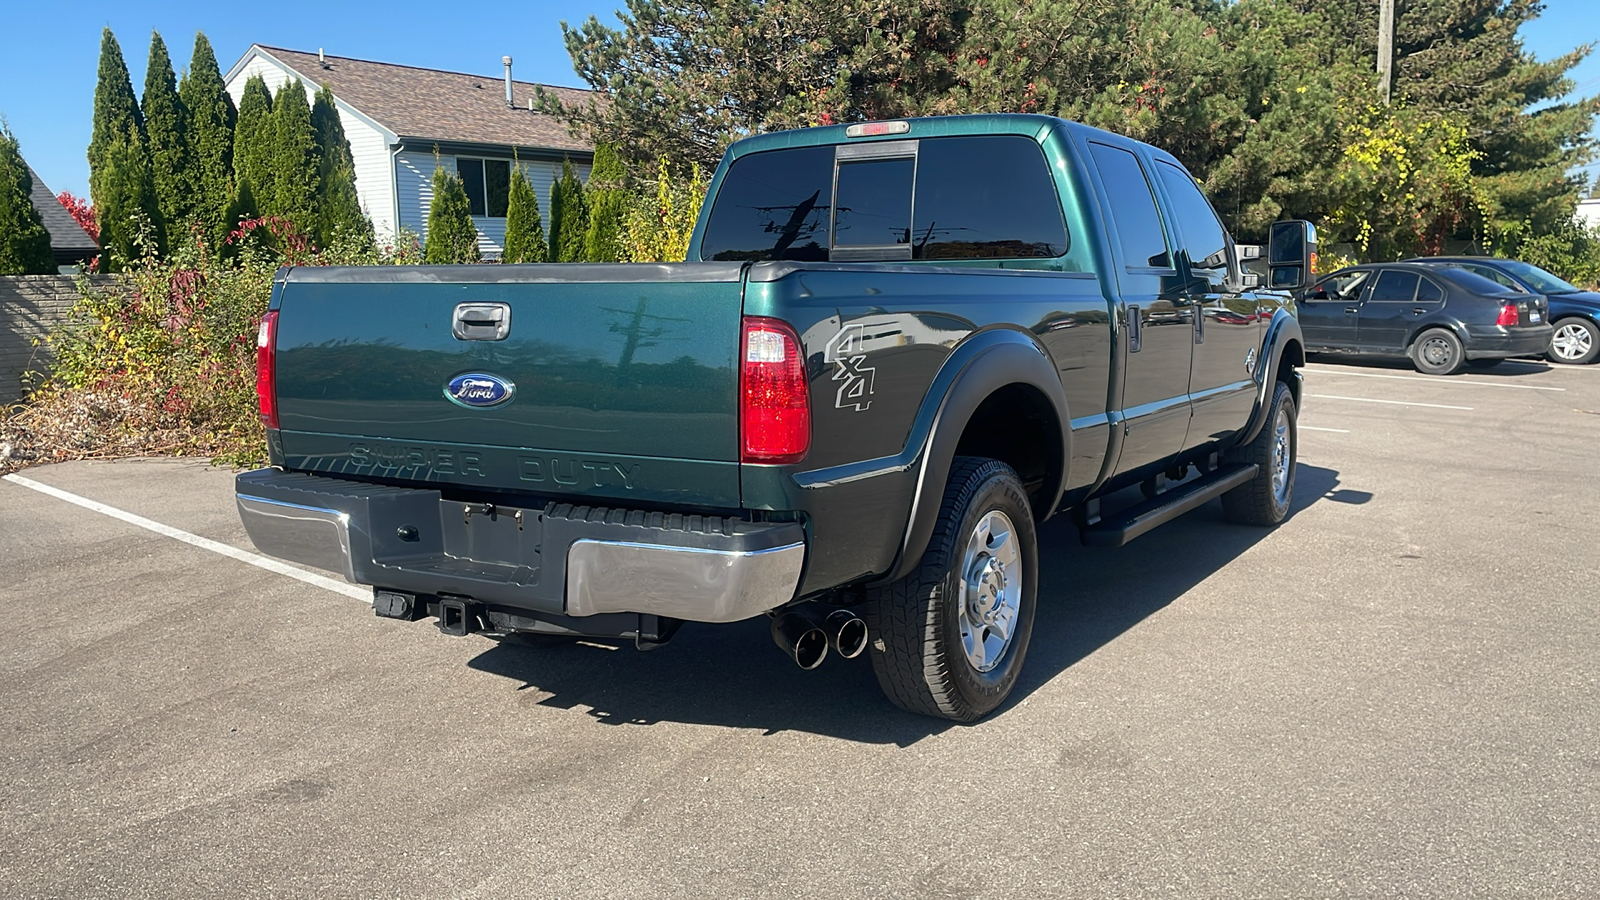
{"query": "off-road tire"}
pixel 1259 501
pixel 1452 356
pixel 915 644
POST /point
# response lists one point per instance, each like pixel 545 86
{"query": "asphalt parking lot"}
pixel 1396 693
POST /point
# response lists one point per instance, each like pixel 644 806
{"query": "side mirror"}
pixel 1292 254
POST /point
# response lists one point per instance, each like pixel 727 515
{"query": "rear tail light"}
pixel 775 403
pixel 267 369
pixel 1508 315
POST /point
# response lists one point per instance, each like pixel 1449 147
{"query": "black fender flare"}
pixel 1283 336
pixel 986 362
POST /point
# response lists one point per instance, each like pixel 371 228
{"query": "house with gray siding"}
pixel 403 121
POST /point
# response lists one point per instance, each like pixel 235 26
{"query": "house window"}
pixel 488 184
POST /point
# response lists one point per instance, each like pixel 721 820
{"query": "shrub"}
pixel 161 360
pixel 659 223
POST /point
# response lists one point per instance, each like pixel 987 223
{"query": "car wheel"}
pixel 1576 342
pixel 1437 351
pixel 1265 499
pixel 948 640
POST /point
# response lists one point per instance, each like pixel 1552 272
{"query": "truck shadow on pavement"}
pixel 733 676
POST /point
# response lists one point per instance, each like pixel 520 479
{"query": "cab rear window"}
pixel 983 197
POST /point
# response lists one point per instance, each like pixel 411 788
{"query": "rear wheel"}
pixel 948 640
pixel 1575 342
pixel 1438 352
pixel 1265 499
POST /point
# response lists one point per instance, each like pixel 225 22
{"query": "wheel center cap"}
pixel 987 590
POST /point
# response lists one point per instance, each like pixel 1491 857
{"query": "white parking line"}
pixel 1435 380
pixel 261 562
pixel 1334 430
pixel 1390 402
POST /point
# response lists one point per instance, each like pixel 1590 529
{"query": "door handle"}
pixel 1352 309
pixel 481 321
pixel 1420 310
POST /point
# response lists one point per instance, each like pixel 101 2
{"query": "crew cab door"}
pixel 1227 335
pixel 1159 333
pixel 1330 309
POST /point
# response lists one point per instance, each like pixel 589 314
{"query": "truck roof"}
pixel 932 126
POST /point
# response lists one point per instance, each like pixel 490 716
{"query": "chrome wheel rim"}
pixel 1572 341
pixel 1436 352
pixel 991 591
pixel 1282 457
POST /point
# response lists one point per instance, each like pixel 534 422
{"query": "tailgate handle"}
pixel 481 321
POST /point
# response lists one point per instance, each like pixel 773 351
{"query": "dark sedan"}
pixel 1438 316
pixel 1574 313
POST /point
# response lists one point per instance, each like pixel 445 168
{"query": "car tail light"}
pixel 267 369
pixel 1508 315
pixel 775 403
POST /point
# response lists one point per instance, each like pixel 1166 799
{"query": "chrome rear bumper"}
pixel 557 559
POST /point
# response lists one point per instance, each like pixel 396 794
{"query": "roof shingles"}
pixel 431 105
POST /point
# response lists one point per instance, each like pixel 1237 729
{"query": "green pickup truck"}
pixel 896 347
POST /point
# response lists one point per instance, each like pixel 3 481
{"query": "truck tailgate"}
pixel 613 381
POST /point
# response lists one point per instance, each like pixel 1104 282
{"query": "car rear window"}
pixel 1473 282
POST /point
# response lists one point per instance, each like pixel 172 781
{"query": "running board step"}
pixel 1128 524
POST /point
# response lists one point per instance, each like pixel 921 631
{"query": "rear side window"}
pixel 1428 292
pixel 1395 286
pixel 773 205
pixel 1203 237
pixel 985 198
pixel 1133 208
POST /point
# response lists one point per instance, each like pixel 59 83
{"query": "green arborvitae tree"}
pixel 608 206
pixel 524 232
pixel 119 165
pixel 166 130
pixel 339 215
pixel 294 159
pixel 254 142
pixel 211 121
pixel 128 213
pixel 451 238
pixel 569 217
pixel 24 241
pixel 116 109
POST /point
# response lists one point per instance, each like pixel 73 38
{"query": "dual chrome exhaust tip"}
pixel 806 632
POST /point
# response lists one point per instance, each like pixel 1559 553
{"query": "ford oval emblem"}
pixel 478 390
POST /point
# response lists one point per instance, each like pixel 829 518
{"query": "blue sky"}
pixel 49 53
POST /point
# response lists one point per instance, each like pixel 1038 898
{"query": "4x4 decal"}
pixel 845 351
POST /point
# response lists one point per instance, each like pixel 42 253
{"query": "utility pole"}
pixel 1385 48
